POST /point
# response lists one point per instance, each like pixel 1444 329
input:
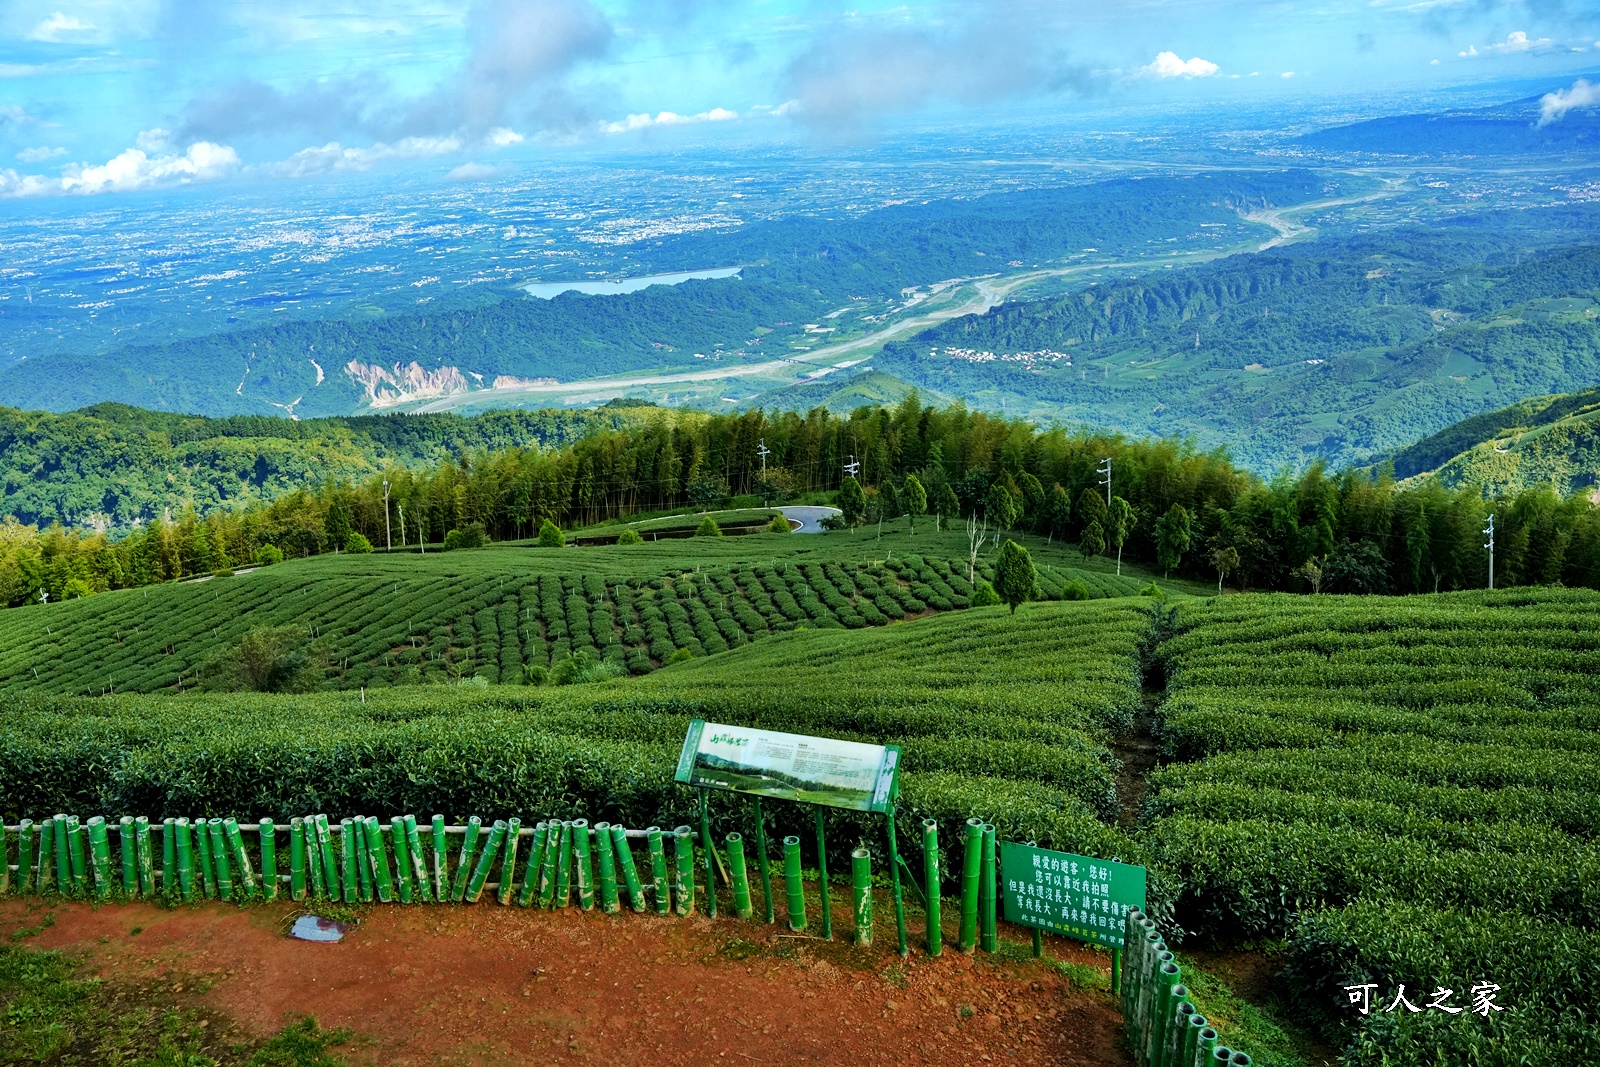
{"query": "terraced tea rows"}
pixel 1411 789
pixel 1030 755
pixel 497 614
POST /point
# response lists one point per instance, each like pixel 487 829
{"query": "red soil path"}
pixel 489 985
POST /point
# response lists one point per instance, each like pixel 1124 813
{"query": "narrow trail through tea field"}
pixel 1135 747
pixel 487 984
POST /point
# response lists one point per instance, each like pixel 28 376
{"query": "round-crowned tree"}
pixel 1014 576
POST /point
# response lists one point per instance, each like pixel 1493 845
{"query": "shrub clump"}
pixel 708 528
pixel 629 536
pixel 472 535
pixel 550 535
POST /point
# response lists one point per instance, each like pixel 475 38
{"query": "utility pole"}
pixel 402 508
pixel 1489 544
pixel 763 451
pixel 388 538
pixel 852 467
pixel 1106 481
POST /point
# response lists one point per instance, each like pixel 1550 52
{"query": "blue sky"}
pixel 106 95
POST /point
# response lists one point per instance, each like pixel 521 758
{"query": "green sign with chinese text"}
pixel 1081 897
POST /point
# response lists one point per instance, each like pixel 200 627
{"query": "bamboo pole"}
pixel 62 864
pixel 363 862
pixel 1205 1045
pixel 268 833
pixel 683 857
pixel 547 865
pixel 208 873
pixel 987 895
pixel 25 855
pixel 861 884
pixel 606 861
pixel 485 864
pixel 741 879
pixel 1191 1038
pixel 441 861
pixel 315 869
pixel 331 872
pixel 405 887
pixel 147 866
pixel 933 881
pixel 169 858
pixel 822 878
pixel 230 830
pixel 582 863
pixel 564 865
pixel 100 851
pixel 508 865
pixel 630 873
pixel 349 861
pixel 297 858
pixel 469 852
pixel 5 862
pixel 419 871
pixel 793 885
pixel 378 857
pixel 535 871
pixel 1177 1025
pixel 185 850
pixel 1166 976
pixel 658 870
pixel 129 855
pixel 971 871
pixel 761 861
pixel 77 857
pixel 219 857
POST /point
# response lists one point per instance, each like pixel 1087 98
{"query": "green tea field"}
pixel 497 613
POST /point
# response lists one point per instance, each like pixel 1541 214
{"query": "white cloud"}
pixel 1433 62
pixel 1516 41
pixel 504 137
pixel 132 169
pixel 335 157
pixel 1168 65
pixel 1287 75
pixel 645 121
pixel 135 169
pixel 1554 106
pixel 472 172
pixel 39 155
pixel 154 141
pixel 60 28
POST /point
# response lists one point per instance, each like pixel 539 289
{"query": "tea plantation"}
pixel 1374 790
pixel 1000 715
pixel 498 613
pixel 1409 790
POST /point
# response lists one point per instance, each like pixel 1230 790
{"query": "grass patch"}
pixel 50 1013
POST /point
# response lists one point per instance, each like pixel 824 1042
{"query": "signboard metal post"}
pixel 816 770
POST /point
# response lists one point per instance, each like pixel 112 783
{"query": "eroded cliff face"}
pixel 398 383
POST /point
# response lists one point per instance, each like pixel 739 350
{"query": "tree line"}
pixel 1168 505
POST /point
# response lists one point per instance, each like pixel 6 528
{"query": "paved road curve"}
pixel 809 516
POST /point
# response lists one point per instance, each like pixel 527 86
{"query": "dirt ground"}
pixel 488 985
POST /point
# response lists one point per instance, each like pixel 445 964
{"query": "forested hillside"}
pixel 1338 349
pixel 1186 511
pixel 111 466
pixel 795 270
pixel 1545 440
